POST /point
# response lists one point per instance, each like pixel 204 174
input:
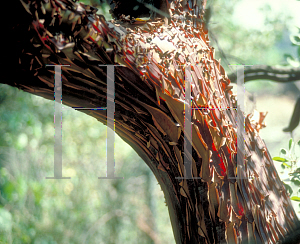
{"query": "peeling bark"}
pixel 220 207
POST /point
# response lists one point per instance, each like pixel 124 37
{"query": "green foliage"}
pixel 290 163
pixel 102 6
pixel 83 209
pixel 245 45
pixel 279 159
pixel 288 188
pixel 296 199
pixel 295 41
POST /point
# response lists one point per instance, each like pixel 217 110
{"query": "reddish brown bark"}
pixel 149 100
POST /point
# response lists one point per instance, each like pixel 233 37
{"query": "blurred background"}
pixel 85 209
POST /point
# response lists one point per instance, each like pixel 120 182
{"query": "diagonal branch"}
pixel 277 74
pixel 265 72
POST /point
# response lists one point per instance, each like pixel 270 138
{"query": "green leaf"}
pixel 295 39
pixel 291 60
pixel 286 55
pixel 290 143
pixel 295 181
pixel 279 159
pixel 298 51
pixel 294 198
pixel 295 174
pixel 288 188
pixel 283 151
pixel 298 143
pixel 285 164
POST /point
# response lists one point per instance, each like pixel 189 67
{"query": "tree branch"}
pixel 223 202
pixel 266 72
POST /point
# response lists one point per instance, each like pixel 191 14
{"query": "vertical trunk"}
pixel 226 201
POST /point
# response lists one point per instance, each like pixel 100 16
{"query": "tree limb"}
pixel 265 72
pixel 223 201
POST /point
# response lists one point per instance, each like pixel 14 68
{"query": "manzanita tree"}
pixel 165 78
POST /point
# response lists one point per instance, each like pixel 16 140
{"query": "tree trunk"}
pixel 225 202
